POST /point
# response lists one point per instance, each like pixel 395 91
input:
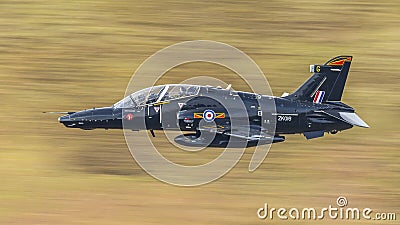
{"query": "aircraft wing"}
pixel 348 117
pixel 252 133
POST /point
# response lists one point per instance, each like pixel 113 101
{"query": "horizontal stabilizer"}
pixel 353 119
pixel 348 117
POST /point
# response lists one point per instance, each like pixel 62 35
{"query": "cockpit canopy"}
pixel 158 94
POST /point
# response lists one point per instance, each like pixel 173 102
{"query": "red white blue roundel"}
pixel 209 115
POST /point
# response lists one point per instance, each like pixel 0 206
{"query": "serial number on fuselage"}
pixel 284 118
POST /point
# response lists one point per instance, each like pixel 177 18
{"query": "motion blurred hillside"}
pixel 72 55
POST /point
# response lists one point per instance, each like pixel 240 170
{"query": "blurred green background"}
pixel 71 55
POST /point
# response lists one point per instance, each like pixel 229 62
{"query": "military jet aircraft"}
pixel 313 109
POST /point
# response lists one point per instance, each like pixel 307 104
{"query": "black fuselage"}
pixel 313 109
pixel 289 116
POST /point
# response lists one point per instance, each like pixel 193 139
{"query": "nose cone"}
pixel 64 118
pixel 89 119
pixel 76 119
pixel 67 121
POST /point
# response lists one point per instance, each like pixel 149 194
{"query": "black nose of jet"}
pixel 76 119
pixel 90 119
pixel 65 118
pixel 68 120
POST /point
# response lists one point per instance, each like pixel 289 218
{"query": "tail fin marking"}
pixel 329 78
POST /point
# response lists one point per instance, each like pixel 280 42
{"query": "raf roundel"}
pixel 209 115
pixel 129 116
